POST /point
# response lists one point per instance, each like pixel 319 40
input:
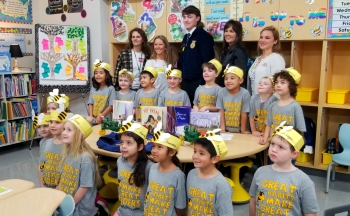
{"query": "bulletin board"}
pixel 306 21
pixel 62 55
pixel 217 13
pixel 338 25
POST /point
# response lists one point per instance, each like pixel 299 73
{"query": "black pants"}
pixel 190 87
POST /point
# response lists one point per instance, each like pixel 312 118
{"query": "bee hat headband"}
pixel 173 72
pixel 59 114
pixel 98 63
pixel 217 141
pixel 81 123
pixel 152 71
pixel 58 98
pixel 295 74
pixel 137 128
pixel 289 134
pixel 234 70
pixel 125 71
pixel 41 119
pixel 166 139
pixel 217 64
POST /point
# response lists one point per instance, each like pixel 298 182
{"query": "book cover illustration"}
pixel 151 115
pixel 205 121
pixel 177 118
pixel 122 109
pixel 5 62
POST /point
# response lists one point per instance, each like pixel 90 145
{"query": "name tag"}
pixel 141 59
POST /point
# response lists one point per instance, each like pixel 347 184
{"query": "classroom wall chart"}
pixel 338 19
pixel 62 58
pixel 16 11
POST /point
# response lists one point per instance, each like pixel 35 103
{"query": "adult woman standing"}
pixel 233 53
pixel 269 62
pixel 160 58
pixel 134 57
pixel 197 47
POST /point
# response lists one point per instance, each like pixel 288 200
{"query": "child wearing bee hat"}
pixel 233 102
pixel 79 170
pixel 173 96
pixel 294 186
pixel 286 108
pixel 125 79
pixel 206 95
pixel 54 99
pixel 206 187
pixel 102 94
pixel 165 174
pixel 147 95
pixel 133 169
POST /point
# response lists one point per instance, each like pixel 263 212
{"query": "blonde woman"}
pixel 160 58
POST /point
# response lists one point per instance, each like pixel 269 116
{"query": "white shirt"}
pixel 192 30
pixel 137 65
pixel 161 82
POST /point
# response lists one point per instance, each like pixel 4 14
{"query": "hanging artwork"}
pixel 73 6
pixel 62 58
pixel 147 24
pixel 16 11
pixel 54 7
pixel 121 12
pixel 177 29
pixel 176 6
pixel 155 8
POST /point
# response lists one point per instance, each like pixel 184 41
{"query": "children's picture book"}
pixel 177 118
pixel 5 62
pixel 205 121
pixel 122 109
pixel 151 115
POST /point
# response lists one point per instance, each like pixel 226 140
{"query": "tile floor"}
pixel 18 162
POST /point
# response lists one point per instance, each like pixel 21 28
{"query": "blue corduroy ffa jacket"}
pixel 198 50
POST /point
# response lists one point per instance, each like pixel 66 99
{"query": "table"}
pixel 16 185
pixel 38 202
pixel 241 145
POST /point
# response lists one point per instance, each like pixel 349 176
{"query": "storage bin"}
pixel 326 157
pixel 337 96
pixel 304 157
pixel 307 94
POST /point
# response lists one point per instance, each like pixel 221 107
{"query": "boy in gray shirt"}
pixel 130 96
pixel 233 102
pixel 125 79
pixel 281 188
pixel 208 192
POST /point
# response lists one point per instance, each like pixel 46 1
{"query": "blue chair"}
pixel 341 158
pixel 336 210
pixel 67 206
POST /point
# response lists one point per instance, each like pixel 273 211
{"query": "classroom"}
pixel 174 107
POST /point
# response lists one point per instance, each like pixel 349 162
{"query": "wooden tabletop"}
pixel 16 186
pixel 38 202
pixel 240 145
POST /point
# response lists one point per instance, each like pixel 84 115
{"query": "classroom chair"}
pixel 336 210
pixel 341 158
pixel 110 189
pixel 240 195
pixel 107 161
pixel 67 206
pixel 232 185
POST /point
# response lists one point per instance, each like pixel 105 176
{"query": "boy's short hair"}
pixel 286 76
pixel 146 72
pixel 207 144
pixel 125 75
pixel 210 66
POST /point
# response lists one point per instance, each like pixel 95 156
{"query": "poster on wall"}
pixel 8 38
pixel 215 22
pixel 177 29
pixel 121 12
pixel 338 19
pixel 176 6
pixel 54 7
pixel 62 58
pixel 74 6
pixel 5 62
pixel 155 8
pixel 16 11
pixel 147 24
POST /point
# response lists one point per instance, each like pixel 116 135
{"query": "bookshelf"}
pixel 17 99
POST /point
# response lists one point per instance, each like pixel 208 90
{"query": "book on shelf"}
pixel 122 109
pixel 20 130
pixel 19 107
pixel 3 137
pixel 19 84
pixel 177 118
pixel 205 121
pixel 151 115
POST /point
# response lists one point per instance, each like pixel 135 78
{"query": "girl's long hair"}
pixel 77 148
pixel 167 47
pixel 174 158
pixel 144 48
pixel 109 81
pixel 139 175
pixel 237 28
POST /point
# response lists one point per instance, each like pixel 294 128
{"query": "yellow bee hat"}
pixel 98 63
pixel 234 70
pixel 41 119
pixel 54 97
pixel 165 139
pixel 173 72
pixel 217 141
pixel 125 71
pixel 152 71
pixel 289 134
pixel 137 128
pixel 217 64
pixel 82 124
pixel 295 74
pixel 59 114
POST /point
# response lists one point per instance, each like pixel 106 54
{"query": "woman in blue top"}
pixel 197 47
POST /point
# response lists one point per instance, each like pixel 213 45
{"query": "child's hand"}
pixel 203 109
pixel 257 134
pixel 262 141
pixel 195 109
pixel 99 119
pixel 246 132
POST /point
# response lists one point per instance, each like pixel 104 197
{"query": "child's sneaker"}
pixel 102 209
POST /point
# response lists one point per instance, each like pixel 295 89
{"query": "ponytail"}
pixel 176 161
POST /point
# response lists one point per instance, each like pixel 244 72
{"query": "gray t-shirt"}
pixel 291 113
pixel 101 99
pixel 259 111
pixel 131 198
pixel 165 192
pixel 233 106
pixel 178 99
pixel 283 193
pixel 41 145
pixel 146 99
pixel 78 173
pixel 125 97
pixel 206 96
pixel 50 159
pixel 208 196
